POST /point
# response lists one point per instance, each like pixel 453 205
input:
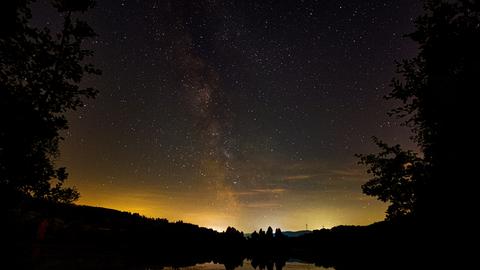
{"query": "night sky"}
pixel 241 113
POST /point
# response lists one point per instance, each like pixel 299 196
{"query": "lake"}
pixel 247 265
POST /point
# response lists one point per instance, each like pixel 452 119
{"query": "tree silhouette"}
pixel 254 236
pixel 397 175
pixel 279 236
pixel 40 75
pixel 438 104
pixel 269 234
pixel 233 235
pixel 261 235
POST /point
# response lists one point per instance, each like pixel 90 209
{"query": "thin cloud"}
pixel 270 190
pixel 261 191
pixel 349 173
pixel 298 177
pixel 262 205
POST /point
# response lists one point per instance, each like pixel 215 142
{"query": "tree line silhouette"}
pixel 45 233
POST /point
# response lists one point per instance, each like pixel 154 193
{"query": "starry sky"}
pixel 241 113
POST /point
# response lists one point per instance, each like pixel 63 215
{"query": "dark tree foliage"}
pixel 254 236
pixel 397 175
pixel 279 235
pixel 437 94
pixel 40 75
pixel 269 234
pixel 261 234
pixel 234 235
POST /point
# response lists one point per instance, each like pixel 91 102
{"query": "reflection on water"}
pixel 249 265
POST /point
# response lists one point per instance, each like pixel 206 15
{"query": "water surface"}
pixel 247 265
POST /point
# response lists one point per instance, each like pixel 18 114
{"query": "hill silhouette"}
pixel 43 233
pixel 40 229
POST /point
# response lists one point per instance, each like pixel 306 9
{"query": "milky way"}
pixel 212 121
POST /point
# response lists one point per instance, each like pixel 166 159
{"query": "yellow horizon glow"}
pixel 200 211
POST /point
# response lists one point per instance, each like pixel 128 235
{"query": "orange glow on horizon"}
pixel 199 209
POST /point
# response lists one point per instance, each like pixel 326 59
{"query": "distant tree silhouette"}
pixel 40 73
pixel 233 235
pixel 438 104
pixel 261 235
pixel 254 236
pixel 269 234
pixel 233 232
pixel 279 235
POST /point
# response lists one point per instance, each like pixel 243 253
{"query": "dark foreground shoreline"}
pixel 44 235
